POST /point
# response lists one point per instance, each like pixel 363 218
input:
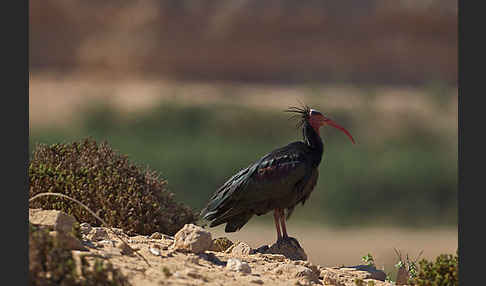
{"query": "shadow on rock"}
pixel 211 258
pixel 375 273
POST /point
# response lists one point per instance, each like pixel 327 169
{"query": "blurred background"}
pixel 196 90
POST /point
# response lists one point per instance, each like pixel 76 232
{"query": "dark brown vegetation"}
pixel 121 193
pixel 52 263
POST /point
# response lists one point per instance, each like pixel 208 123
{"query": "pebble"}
pixel 84 228
pixel 234 264
pixel 154 251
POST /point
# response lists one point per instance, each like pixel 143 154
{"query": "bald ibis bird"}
pixel 278 181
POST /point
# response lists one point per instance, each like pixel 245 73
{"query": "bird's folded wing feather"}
pixel 272 177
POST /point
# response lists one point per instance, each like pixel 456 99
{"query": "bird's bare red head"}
pixel 316 120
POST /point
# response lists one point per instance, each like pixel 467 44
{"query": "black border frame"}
pixel 15 119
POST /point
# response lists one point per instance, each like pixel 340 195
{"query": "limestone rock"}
pixel 234 264
pixel 297 271
pixel 154 250
pixel 53 219
pixel 240 248
pixel 345 276
pixel 371 269
pixel 192 238
pixel 156 235
pixel 257 281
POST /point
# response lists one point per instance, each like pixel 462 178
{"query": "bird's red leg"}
pixel 276 216
pixel 282 223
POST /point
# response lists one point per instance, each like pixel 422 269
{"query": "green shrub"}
pixel 442 272
pixel 51 263
pixel 121 193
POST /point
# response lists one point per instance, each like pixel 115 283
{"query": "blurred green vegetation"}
pixel 409 179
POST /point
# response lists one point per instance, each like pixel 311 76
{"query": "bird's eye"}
pixel 314 112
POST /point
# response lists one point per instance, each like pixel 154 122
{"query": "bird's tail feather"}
pixel 237 222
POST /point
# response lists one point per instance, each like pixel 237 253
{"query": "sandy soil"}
pixel 331 253
pixel 331 246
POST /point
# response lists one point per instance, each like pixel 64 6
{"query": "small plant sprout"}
pixel 359 282
pixel 388 278
pixel 368 259
pixel 407 269
pixel 166 271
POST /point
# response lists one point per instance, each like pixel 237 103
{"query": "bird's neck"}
pixel 314 141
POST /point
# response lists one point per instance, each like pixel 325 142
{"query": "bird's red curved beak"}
pixel 335 125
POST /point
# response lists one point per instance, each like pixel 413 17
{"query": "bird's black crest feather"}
pixel 302 113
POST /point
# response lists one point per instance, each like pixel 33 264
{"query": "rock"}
pixel 305 272
pixel 221 244
pixel 97 234
pixel 234 264
pixel 84 228
pixel 344 276
pixel 275 257
pixel 113 231
pixel 297 271
pixel 106 242
pixel 156 235
pixel 154 251
pixel 257 281
pixel 67 240
pixel 241 248
pixel 375 273
pixel 53 219
pixel 290 248
pixel 124 248
pixel 160 236
pixel 192 238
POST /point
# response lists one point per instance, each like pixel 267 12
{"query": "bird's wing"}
pixel 307 185
pixel 286 166
pixel 275 176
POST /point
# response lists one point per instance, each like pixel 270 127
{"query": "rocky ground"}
pixel 194 257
